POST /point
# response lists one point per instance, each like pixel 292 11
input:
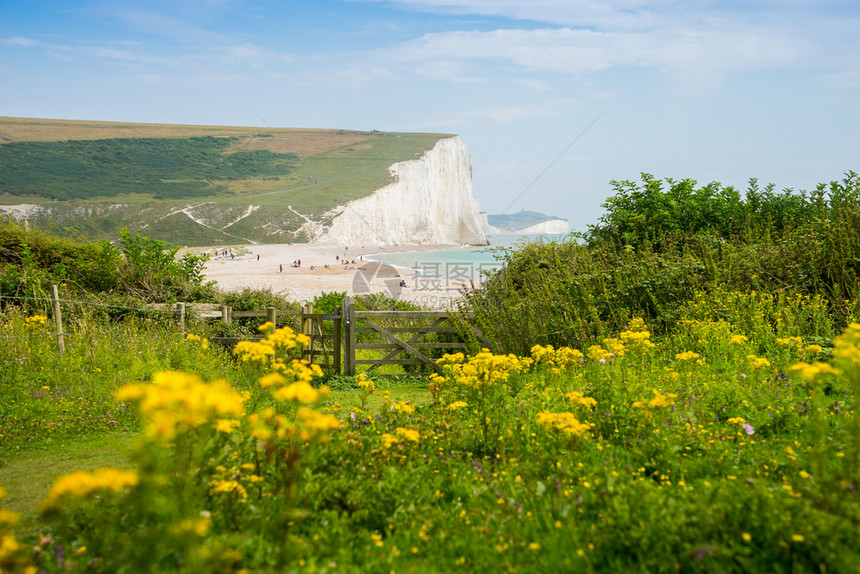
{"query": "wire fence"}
pixel 92 304
pixel 55 303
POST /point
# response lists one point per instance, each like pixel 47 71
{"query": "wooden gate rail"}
pixel 336 349
pixel 397 345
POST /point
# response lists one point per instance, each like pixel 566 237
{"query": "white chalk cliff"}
pixel 430 201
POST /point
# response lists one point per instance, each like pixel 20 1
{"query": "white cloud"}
pixel 513 113
pixel 162 25
pixel 577 52
pixel 532 84
pixel 619 14
pixel 252 55
pixel 17 41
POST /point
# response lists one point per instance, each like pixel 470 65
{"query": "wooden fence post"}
pixel 180 311
pixel 272 317
pixel 308 330
pixel 225 314
pixel 58 318
pixel 336 345
pixel 349 336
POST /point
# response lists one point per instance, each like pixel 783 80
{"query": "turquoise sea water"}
pixel 459 264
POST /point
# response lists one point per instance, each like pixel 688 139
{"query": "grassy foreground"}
pixel 709 450
pixel 665 396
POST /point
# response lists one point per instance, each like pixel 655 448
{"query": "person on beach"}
pixel 281 268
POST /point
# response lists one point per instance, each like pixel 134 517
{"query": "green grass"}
pixel 165 168
pixel 341 402
pixel 27 471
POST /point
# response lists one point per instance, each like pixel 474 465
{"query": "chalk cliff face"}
pixel 431 201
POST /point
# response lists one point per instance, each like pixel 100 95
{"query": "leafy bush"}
pixel 32 260
pixel 649 265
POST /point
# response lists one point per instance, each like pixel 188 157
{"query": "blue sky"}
pixel 708 90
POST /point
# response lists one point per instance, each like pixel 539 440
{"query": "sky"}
pixel 554 98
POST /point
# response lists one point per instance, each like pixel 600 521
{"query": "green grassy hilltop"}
pixel 191 185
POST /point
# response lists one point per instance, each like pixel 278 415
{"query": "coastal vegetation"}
pixel 662 248
pixel 163 168
pixel 660 395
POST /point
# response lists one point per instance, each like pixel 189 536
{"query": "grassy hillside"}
pixel 517 221
pixel 191 185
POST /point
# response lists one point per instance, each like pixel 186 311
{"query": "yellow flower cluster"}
pixel 7 517
pixel 176 402
pixel 659 400
pixel 598 354
pixel 11 551
pixel 556 360
pixel 265 351
pixel 400 436
pixel 35 321
pixel 789 341
pixel 736 421
pixel 688 356
pixel 292 381
pixel 269 424
pixel 204 342
pixel 231 487
pixel 404 408
pixel 738 340
pixel 300 391
pixel 846 347
pixel 365 383
pixel 797 344
pixel 813 372
pixel 637 338
pixel 577 399
pixel 80 484
pixel 564 422
pixel 457 405
pixel 483 368
pixel 757 362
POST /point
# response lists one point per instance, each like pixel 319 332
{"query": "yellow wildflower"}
pixel 300 391
pixel 757 362
pixel 577 399
pixel 80 484
pixel 662 400
pixel 408 434
pixel 813 371
pixel 176 402
pixel 564 422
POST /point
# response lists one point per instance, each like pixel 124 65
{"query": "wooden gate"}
pixel 336 338
pixel 419 324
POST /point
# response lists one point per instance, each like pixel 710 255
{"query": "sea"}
pixel 461 264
